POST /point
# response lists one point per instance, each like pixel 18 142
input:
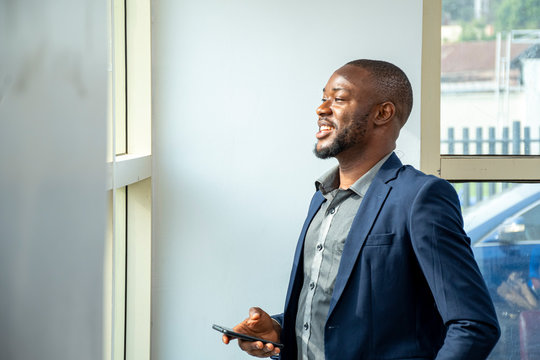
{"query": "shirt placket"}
pixel 314 277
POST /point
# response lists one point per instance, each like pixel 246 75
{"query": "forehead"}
pixel 350 78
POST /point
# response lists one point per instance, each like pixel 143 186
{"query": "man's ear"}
pixel 385 113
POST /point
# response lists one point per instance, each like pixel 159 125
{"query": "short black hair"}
pixel 392 84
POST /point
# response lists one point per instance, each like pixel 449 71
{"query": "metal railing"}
pixel 519 143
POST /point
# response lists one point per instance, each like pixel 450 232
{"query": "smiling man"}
pixel 383 268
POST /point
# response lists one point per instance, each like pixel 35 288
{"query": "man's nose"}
pixel 324 109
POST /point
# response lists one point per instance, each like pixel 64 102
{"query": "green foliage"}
pixel 473 31
pixel 457 11
pixel 491 16
pixel 503 14
pixel 518 14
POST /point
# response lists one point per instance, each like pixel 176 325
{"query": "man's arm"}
pixel 468 339
pixel 444 254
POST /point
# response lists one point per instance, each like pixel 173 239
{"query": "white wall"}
pixel 53 101
pixel 235 87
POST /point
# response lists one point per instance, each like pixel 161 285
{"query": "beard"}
pixel 345 139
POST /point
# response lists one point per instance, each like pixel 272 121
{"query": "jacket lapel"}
pixel 362 224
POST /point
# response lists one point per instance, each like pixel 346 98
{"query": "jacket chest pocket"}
pixel 380 239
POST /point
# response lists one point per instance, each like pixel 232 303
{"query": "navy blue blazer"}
pixel 408 286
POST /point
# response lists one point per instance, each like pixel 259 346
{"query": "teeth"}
pixel 325 128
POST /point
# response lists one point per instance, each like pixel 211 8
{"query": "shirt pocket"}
pixel 380 239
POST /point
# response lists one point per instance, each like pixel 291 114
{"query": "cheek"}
pixel 355 125
pixel 343 118
pixel 348 121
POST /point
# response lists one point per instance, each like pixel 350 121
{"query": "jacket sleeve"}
pixel 278 318
pixel 446 259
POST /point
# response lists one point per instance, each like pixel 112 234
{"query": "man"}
pixel 383 268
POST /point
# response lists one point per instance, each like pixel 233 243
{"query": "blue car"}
pixel 505 238
pixel 505 232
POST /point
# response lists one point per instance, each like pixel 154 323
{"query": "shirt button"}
pixel 306 326
pixel 332 210
pixel 311 285
pixel 319 247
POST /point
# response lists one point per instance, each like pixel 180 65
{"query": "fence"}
pixel 491 145
pixel 519 143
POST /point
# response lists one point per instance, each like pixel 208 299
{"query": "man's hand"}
pixel 261 325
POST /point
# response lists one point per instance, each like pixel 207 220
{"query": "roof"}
pixel 474 55
pixel 474 61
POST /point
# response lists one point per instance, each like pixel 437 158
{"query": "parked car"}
pixel 504 231
pixel 505 238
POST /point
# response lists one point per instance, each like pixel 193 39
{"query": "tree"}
pixel 518 14
pixel 473 31
pixel 457 11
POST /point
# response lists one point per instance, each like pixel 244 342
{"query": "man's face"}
pixel 344 112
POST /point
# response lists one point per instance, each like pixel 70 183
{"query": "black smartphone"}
pixel 234 334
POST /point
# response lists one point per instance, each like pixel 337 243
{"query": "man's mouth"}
pixel 324 130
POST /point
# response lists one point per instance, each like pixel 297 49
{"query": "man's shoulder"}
pixel 394 170
pixel 412 180
pixel 410 173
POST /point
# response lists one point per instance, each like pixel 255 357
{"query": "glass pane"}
pixel 490 77
pixel 504 227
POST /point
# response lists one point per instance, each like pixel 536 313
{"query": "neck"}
pixel 352 169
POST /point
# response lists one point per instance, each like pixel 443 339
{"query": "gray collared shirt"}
pixel 323 247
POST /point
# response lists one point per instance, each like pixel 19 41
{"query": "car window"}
pixel 522 227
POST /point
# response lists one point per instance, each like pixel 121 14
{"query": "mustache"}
pixel 325 120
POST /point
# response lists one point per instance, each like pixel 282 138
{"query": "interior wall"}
pixel 235 87
pixel 53 103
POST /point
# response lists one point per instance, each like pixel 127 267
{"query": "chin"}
pixel 325 152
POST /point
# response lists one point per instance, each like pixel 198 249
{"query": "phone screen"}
pixel 234 334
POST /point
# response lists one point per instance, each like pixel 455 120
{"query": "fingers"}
pixel 254 348
pixel 258 349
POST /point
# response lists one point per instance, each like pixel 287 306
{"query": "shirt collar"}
pixel 329 181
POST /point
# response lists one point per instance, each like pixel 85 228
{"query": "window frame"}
pixel 127 271
pixel 459 168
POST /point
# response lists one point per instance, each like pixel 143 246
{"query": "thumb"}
pixel 255 313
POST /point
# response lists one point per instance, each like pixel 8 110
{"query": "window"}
pixel 127 270
pixel 481 130
pixel 483 118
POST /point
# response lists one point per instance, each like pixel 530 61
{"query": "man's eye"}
pixel 338 99
pixel 323 100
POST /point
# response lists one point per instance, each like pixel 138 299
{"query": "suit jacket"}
pixel 408 286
